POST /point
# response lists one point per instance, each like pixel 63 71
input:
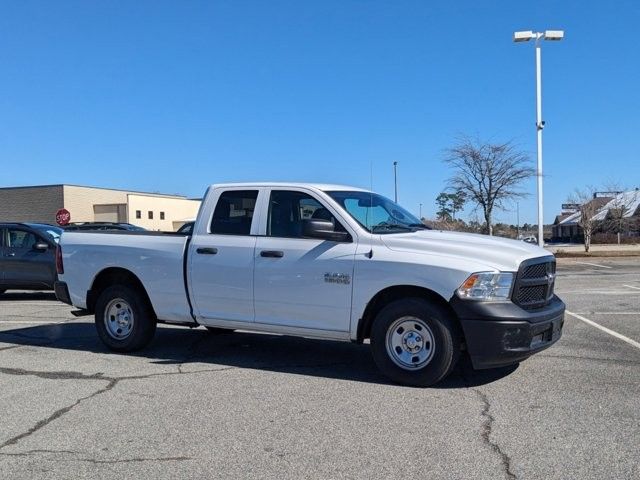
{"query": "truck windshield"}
pixel 376 213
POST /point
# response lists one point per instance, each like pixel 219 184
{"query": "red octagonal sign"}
pixel 63 217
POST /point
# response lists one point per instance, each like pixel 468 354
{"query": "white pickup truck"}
pixel 322 261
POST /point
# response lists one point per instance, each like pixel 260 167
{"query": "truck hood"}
pixel 496 253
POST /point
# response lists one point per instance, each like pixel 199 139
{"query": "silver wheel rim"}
pixel 410 343
pixel 118 319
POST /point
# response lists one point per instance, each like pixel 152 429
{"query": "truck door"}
pixel 302 282
pixel 221 259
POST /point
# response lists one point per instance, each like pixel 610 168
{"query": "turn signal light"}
pixel 59 264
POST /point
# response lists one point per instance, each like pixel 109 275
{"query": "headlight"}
pixel 487 286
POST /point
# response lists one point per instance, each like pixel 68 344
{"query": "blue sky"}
pixel 172 96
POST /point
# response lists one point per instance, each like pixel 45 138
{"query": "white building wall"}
pixel 80 201
pixel 90 204
pixel 176 211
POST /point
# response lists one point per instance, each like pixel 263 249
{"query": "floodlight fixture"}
pixel 524 36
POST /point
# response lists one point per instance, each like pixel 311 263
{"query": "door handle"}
pixel 10 255
pixel 207 250
pixel 272 253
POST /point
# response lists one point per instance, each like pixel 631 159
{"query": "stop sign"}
pixel 63 217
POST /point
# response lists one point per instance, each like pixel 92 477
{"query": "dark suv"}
pixel 27 256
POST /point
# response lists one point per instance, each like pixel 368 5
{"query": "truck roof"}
pixel 318 186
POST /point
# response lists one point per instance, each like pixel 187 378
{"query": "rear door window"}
pixel 234 212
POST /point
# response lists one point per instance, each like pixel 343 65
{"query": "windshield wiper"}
pixel 419 225
pixel 394 226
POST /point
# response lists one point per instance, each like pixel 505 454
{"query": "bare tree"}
pixel 489 174
pixel 617 219
pixel 589 205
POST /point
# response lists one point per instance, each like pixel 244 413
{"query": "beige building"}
pixel 152 211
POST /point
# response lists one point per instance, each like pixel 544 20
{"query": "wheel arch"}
pixel 398 292
pixel 114 276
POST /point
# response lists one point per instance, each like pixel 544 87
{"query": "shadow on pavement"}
pixel 275 353
pixel 9 295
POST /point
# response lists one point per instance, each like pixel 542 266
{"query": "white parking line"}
pixel 604 329
pixel 631 286
pixel 594 265
pixel 608 313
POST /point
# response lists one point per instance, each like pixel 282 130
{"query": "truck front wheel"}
pixel 414 342
pixel 124 319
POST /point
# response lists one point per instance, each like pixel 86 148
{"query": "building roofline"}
pixel 137 192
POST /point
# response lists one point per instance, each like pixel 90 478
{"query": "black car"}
pixel 27 256
pixel 103 226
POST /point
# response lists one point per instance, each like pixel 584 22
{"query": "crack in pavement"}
pixel 64 375
pixel 112 382
pixel 487 428
pixel 40 450
pixel 57 414
pixel 132 460
pixel 95 460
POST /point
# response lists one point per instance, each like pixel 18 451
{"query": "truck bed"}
pixel 156 258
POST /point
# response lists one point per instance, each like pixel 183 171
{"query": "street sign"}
pixel 63 217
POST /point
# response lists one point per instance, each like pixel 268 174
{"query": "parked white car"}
pixel 530 239
pixel 321 261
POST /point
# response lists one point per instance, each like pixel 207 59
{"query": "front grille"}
pixel 534 283
pixel 538 270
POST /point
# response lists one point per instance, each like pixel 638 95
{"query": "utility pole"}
pixel 420 212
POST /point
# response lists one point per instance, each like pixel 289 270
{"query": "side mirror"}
pixel 41 246
pixel 324 230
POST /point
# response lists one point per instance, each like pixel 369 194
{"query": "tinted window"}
pixel 21 239
pixel 234 212
pixel 289 209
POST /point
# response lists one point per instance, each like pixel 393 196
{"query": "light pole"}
pixel 420 212
pixel 551 35
pixel 395 180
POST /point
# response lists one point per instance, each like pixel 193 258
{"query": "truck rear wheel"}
pixel 414 342
pixel 124 319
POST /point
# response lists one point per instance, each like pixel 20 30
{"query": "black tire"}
pixel 143 325
pixel 446 343
pixel 219 331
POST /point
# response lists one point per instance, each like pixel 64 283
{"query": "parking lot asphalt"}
pixel 242 405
